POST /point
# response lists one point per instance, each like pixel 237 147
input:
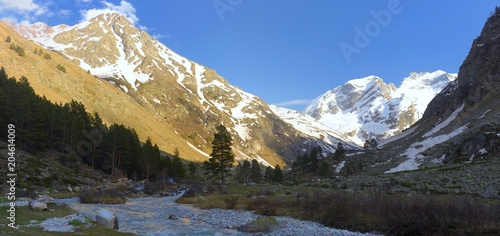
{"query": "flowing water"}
pixel 152 216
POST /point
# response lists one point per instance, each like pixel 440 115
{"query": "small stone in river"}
pixel 173 217
pixel 107 219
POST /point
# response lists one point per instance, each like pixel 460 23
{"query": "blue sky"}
pixel 290 51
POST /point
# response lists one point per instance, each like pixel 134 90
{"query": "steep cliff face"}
pixel 369 108
pixel 479 73
pixel 462 123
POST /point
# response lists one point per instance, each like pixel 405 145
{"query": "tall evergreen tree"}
pixel 165 167
pixel 278 174
pixel 244 172
pixel 193 170
pixel 314 157
pixel 179 170
pixel 147 157
pixel 256 172
pixel 269 174
pixel 222 157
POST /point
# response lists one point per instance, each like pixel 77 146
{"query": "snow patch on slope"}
pixel 198 150
pixel 311 127
pixel 414 153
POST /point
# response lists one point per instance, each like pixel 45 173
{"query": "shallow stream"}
pixel 153 216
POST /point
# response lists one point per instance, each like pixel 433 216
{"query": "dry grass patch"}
pixel 102 196
pixel 394 214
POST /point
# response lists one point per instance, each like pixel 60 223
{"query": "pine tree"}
pixel 269 174
pixel 222 157
pixel 8 39
pixel 312 162
pixel 176 152
pixel 256 172
pixel 192 169
pixel 340 149
pixel 179 170
pixel 165 167
pixel 147 156
pixel 373 144
pixel 324 169
pixel 244 172
pixel 278 174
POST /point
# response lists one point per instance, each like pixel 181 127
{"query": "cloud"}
pixel 293 103
pixel 159 36
pixel 19 5
pixel 65 13
pixel 125 8
pixel 26 10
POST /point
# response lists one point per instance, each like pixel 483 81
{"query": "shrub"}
pixel 101 196
pixel 18 49
pixel 400 214
pixel 70 181
pixel 8 39
pixel 47 56
pixel 231 203
pixel 151 188
pixel 61 68
pixel 262 206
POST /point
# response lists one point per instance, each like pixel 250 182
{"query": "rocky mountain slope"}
pixel 97 95
pixel 313 128
pixel 180 101
pixel 369 108
pixel 462 123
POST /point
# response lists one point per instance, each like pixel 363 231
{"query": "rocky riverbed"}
pixel 162 216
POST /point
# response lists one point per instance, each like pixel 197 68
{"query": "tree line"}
pixel 222 159
pixel 78 136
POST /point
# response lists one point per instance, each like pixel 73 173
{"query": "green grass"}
pixel 24 215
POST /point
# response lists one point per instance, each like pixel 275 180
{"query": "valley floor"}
pixel 162 216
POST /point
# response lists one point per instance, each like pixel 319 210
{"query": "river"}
pixel 151 216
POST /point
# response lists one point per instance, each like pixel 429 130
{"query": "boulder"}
pixel 69 189
pixel 76 189
pixel 262 224
pixel 46 199
pixel 173 217
pixel 107 219
pixel 38 206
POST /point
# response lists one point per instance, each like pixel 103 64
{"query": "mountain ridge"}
pixel 460 123
pixel 368 108
pixel 188 97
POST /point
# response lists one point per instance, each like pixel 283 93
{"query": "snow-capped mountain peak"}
pixel 186 96
pixel 368 108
